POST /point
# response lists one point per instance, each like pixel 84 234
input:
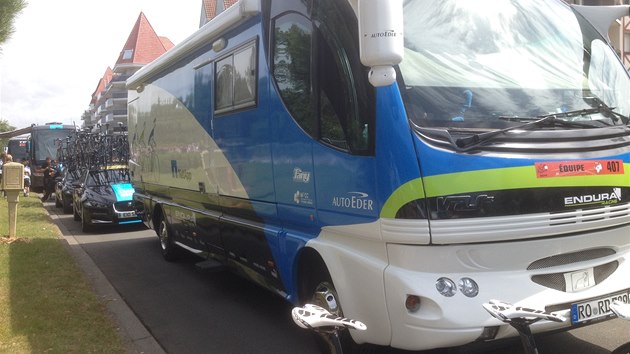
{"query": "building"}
pixel 211 8
pixel 109 99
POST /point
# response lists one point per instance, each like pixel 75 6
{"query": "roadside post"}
pixel 13 184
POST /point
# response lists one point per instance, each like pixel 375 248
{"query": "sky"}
pixel 51 65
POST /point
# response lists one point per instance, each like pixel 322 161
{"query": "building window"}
pixel 235 80
pixel 127 54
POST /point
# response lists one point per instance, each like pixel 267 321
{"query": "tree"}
pixel 8 10
pixel 4 127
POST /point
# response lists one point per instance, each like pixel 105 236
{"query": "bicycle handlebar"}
pixel 507 313
pixel 312 317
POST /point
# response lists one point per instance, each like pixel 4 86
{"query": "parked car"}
pixel 105 197
pixel 64 189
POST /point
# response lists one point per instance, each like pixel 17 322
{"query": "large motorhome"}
pixel 401 162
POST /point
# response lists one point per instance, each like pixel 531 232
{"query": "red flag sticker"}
pixel 578 168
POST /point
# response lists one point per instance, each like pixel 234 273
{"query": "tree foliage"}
pixel 4 127
pixel 8 10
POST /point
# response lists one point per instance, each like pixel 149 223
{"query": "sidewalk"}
pixel 135 335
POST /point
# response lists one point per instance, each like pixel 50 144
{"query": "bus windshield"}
pixel 18 148
pixel 45 143
pixel 488 64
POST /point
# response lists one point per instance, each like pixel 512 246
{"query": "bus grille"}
pixel 569 258
pixel 556 280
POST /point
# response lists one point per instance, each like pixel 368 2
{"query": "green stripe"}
pixel 490 180
pixel 406 193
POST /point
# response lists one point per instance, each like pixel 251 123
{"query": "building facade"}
pixel 109 100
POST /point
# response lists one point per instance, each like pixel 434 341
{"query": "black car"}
pixel 64 189
pixel 105 197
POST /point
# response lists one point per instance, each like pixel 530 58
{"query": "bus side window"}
pixel 315 71
pixel 235 80
pixel 334 100
pixel 292 67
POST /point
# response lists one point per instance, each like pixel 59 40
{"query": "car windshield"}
pixel 107 177
pixel 472 64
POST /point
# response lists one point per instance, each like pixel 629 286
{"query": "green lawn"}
pixel 46 303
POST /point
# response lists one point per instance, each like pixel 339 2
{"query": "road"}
pixel 192 311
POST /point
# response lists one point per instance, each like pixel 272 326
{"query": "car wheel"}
pixel 76 215
pixel 170 251
pixel 67 207
pixel 85 223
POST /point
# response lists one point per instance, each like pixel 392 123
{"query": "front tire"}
pixel 85 224
pixel 76 215
pixel 170 251
pixel 320 291
pixel 67 207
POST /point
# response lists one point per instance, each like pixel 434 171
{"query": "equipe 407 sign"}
pixel 578 168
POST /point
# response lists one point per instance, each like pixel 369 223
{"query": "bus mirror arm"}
pixel 601 17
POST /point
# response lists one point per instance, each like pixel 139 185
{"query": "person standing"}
pixel 27 177
pixel 2 158
pixel 49 172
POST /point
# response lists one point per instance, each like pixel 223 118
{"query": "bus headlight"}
pixel 468 287
pixel 446 287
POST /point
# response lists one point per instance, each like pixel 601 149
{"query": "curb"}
pixel 135 335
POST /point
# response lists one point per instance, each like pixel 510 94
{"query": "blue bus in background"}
pixel 399 162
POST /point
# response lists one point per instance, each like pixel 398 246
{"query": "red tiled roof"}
pixel 102 83
pixel 167 43
pixel 144 44
pixel 210 7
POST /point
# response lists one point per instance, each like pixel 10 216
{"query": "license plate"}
pixel 598 308
pixel 127 214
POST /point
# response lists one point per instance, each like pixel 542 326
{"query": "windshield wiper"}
pixel 475 140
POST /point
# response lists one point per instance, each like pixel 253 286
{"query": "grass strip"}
pixel 46 303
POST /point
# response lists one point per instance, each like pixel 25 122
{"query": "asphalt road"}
pixel 191 311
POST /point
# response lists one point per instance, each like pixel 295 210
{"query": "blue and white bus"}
pixel 401 162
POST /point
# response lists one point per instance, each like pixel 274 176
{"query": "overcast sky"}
pixel 61 48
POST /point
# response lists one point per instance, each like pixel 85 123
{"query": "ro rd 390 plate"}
pixel 586 311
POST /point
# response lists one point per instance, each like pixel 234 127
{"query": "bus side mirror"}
pixel 381 38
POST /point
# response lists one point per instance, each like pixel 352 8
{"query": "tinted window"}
pixel 224 89
pixel 292 67
pixel 320 79
pixel 244 76
pixel 235 80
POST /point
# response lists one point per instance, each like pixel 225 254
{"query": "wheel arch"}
pixel 310 265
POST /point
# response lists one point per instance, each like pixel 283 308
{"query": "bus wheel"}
pixel 324 294
pixel 170 251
